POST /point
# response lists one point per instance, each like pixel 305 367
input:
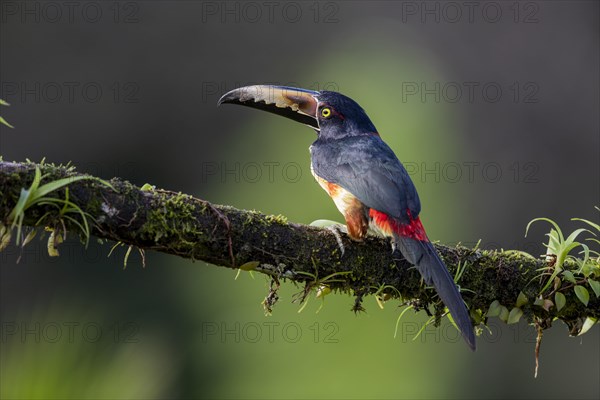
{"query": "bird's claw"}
pixel 336 229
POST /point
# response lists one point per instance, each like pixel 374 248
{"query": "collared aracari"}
pixel 363 176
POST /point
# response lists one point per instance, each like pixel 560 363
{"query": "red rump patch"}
pixel 388 224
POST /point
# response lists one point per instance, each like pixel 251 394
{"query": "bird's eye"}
pixel 326 112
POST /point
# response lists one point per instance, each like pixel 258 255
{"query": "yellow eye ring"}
pixel 326 112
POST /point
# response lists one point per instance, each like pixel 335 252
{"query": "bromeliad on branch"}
pixel 363 176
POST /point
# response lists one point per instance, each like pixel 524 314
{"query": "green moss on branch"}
pixel 179 224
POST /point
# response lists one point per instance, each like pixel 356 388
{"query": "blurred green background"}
pixel 82 326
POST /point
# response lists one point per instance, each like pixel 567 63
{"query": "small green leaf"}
pixel 127 253
pixel 476 316
pixel 521 300
pixel 4 240
pixel 546 304
pixel 55 185
pixel 569 276
pixel 452 321
pixel 400 317
pixel 494 309
pixel 554 224
pixel 560 300
pixel 19 208
pixel 29 237
pixel 377 299
pixel 249 266
pixel 590 223
pixel 595 285
pixel 3 121
pixel 324 290
pixel 514 316
pixel 587 325
pixel 582 294
pixel 148 187
pixel 503 314
pixel 54 239
pixel 114 247
pixel 324 223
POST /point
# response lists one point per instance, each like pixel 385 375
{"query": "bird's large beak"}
pixel 297 104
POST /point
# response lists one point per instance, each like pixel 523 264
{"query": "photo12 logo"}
pixel 253 12
pixel 69 12
pixel 470 12
pixel 70 92
pixel 68 332
pixel 470 92
pixel 250 172
pixel 269 332
pixel 473 171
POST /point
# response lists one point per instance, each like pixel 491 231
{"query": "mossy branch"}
pixel 179 224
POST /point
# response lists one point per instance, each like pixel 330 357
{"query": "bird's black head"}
pixel 339 116
pixel 332 115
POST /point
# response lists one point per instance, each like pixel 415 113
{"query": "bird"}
pixel 366 181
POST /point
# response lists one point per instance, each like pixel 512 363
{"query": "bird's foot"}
pixel 394 248
pixel 396 252
pixel 336 229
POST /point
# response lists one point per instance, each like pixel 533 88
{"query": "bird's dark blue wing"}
pixel 366 167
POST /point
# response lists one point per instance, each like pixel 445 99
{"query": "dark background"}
pixel 492 106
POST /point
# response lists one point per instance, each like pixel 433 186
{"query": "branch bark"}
pixel 181 225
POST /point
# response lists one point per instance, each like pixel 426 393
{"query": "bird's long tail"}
pixel 423 255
